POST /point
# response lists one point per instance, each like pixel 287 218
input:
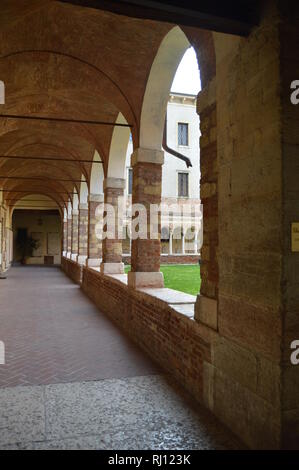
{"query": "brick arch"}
pixel 118 150
pixel 96 175
pixel 168 57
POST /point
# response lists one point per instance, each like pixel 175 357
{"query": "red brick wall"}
pixel 147 179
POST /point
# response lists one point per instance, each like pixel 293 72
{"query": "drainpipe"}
pixel 172 151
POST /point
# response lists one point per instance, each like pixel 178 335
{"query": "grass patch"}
pixel 182 277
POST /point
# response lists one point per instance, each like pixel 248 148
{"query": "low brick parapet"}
pixel 72 269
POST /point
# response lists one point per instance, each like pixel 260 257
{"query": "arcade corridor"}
pixel 73 380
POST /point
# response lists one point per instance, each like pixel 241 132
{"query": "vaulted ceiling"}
pixel 59 60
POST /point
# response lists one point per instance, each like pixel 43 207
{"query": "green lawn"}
pixel 182 277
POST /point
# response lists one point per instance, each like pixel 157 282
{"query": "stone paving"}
pixel 73 381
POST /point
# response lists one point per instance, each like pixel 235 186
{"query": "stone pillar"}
pixel 147 187
pixel 112 244
pixel 75 216
pixel 82 233
pixel 64 246
pixel 95 218
pixel 69 234
pixel 206 308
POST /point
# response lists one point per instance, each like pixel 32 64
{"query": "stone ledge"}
pixel 169 296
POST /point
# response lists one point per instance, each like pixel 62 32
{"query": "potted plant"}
pixel 26 244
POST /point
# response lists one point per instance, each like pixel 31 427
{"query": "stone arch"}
pixel 83 191
pixel 97 175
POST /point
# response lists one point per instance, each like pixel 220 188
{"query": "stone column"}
pixel 206 308
pixel 95 218
pixel 69 234
pixel 75 215
pixel 64 246
pixel 147 187
pixel 82 233
pixel 112 242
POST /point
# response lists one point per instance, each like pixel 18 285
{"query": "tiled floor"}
pixel 72 380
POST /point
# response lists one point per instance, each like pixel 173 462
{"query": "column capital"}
pixel 75 212
pixel 142 155
pixel 96 198
pixel 114 183
pixel 83 206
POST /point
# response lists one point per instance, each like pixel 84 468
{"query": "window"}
pixel 183 184
pixel 183 134
pixel 130 180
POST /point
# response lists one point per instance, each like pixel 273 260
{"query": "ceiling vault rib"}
pixel 55 159
pixel 30 191
pixel 73 121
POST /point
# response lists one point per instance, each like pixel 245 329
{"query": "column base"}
pixel 145 279
pixel 74 256
pixel 206 311
pixel 81 259
pixel 93 262
pixel 112 268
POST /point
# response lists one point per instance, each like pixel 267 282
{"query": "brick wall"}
pixel 147 187
pixel 72 269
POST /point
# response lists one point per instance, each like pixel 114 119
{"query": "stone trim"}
pixel 95 198
pixel 147 279
pixel 114 183
pixel 112 268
